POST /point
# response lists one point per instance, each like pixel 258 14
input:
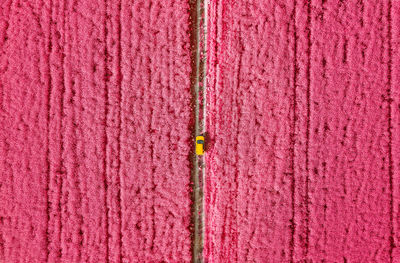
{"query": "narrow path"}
pixel 198 80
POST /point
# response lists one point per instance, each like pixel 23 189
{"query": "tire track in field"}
pixel 74 228
pixel 300 144
pixel 119 184
pixel 395 121
pixel 112 78
pixel 237 182
pixel 105 143
pixel 293 132
pixel 152 182
pixel 63 169
pixel 48 168
pixel 308 73
pixel 389 98
pixel 57 44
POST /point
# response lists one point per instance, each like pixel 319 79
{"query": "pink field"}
pixel 304 109
pixel 96 120
pixel 95 132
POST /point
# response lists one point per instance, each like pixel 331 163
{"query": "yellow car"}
pixel 200 145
